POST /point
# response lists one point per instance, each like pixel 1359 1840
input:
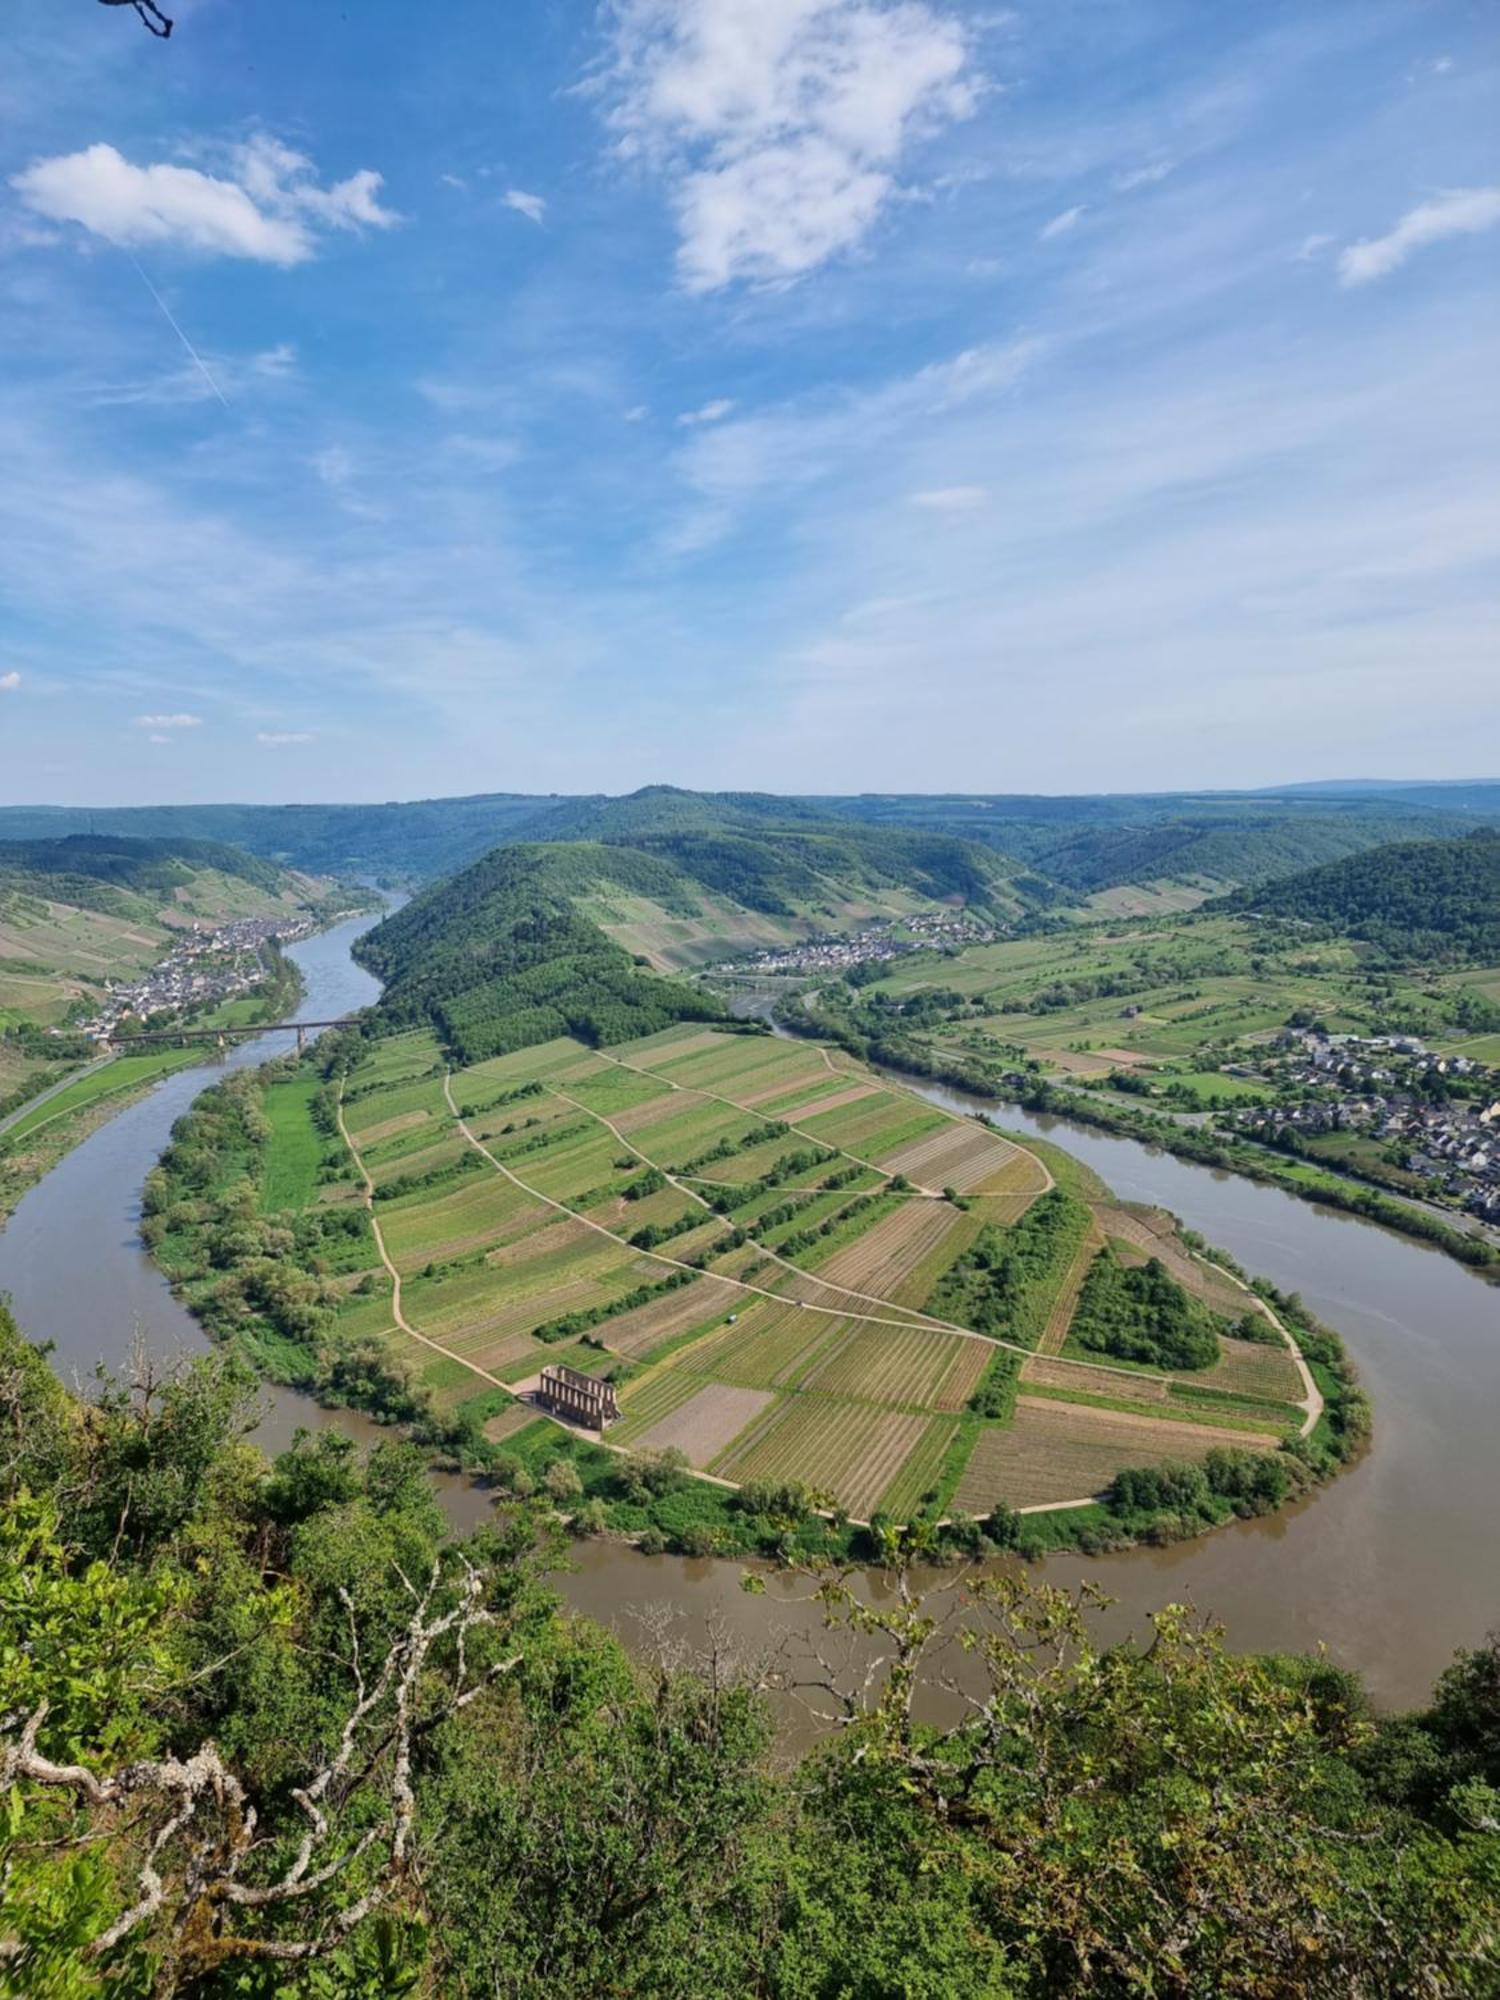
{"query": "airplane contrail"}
pixel 197 358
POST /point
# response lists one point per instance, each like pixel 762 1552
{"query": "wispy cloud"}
pixel 532 206
pixel 951 499
pixel 234 376
pixel 277 739
pixel 268 207
pixel 1460 212
pixel 9 682
pixel 1061 224
pixel 1147 176
pixel 177 721
pixel 779 127
pixel 709 413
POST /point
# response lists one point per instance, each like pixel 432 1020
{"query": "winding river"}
pixel 1393 1567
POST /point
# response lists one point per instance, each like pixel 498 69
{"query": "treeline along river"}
pixel 1394 1566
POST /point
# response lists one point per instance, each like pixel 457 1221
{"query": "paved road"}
pixel 52 1090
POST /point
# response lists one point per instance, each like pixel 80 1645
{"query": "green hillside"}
pixel 123 877
pixel 499 958
pixel 1433 900
pixel 78 913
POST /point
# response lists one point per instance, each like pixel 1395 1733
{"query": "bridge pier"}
pixel 301 1040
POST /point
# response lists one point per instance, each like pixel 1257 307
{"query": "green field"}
pixel 840 1303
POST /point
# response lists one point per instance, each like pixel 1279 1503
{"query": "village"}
pixel 1437 1116
pixel 839 952
pixel 203 969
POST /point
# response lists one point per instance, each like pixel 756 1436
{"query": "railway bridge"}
pixel 121 1045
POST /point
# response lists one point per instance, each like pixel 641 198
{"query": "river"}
pixel 1394 1566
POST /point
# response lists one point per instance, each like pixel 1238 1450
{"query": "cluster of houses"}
pixel 204 968
pixel 1373 1085
pixel 837 952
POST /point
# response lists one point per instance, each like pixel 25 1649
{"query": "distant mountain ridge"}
pixel 1051 845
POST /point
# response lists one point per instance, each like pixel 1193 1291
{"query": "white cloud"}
pixel 9 682
pixel 178 721
pixel 532 206
pixel 710 413
pixel 951 499
pixel 277 738
pixel 1459 212
pixel 1140 177
pixel 637 413
pixel 269 208
pixel 155 738
pixel 1061 224
pixel 779 125
pixel 1312 246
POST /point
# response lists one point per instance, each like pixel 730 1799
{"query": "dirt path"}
pixel 919 1318
pixel 740 1284
pixel 368 1197
pixel 1185 1263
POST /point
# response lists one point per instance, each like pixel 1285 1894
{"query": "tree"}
pixel 562 1483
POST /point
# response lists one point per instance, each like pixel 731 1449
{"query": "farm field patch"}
pixel 907 1366
pixel 708 1422
pixel 850 1452
pixel 1053 1452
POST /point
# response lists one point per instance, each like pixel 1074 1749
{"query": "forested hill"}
pixel 784 858
pixel 500 958
pixel 102 871
pixel 1431 900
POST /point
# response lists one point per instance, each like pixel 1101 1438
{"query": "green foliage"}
pixel 1142 1314
pixel 1004 1282
pixel 1434 901
pixel 1100 1823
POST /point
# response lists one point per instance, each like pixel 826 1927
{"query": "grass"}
pixel 125 1073
pixel 297 1146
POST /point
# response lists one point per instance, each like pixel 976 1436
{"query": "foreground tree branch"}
pixel 154 19
pixel 201 1830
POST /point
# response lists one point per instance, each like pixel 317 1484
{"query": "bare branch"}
pixel 203 1817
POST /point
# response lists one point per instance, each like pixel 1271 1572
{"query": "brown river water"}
pixel 1393 1567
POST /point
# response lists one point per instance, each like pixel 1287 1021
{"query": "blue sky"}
pixel 809 395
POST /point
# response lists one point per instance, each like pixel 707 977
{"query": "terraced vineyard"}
pixel 793 1271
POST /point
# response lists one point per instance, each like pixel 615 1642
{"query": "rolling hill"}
pixel 500 958
pixel 75 913
pixel 1429 900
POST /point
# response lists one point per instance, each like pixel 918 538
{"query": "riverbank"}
pixel 1295 1176
pixel 44 1131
